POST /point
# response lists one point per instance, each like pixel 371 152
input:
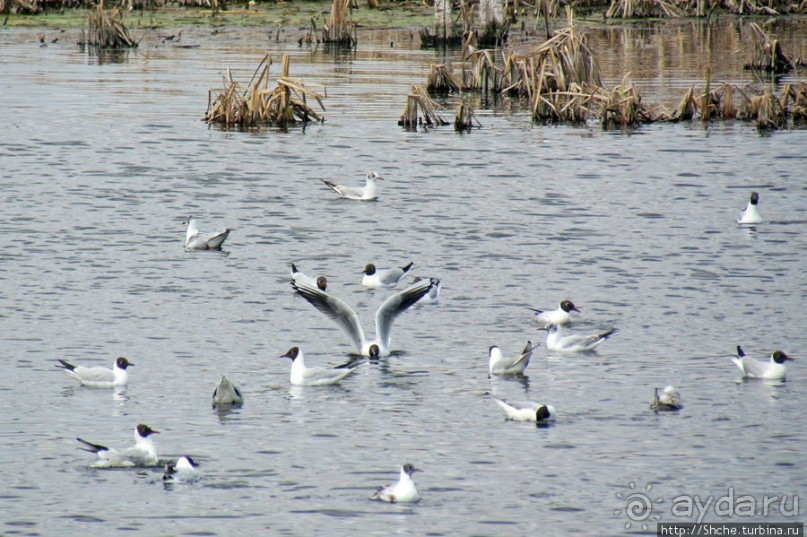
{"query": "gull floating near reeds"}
pixel 368 193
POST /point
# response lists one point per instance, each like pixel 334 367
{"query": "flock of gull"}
pixel 423 291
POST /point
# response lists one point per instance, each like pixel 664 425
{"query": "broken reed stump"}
pixel 420 110
pixel 339 30
pixel 768 53
pixel 465 118
pixel 623 108
pixel 105 29
pixel 285 105
pixel 483 73
pixel 441 81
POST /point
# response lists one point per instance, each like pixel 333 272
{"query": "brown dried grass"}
pixel 441 81
pixel 282 106
pixel 339 29
pixel 420 110
pixel 465 120
pixel 767 53
pixel 106 30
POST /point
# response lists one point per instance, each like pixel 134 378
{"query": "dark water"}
pixel 102 158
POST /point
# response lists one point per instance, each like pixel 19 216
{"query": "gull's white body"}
pixel 99 377
pixel 404 491
pixel 227 394
pixel 560 316
pixel 348 320
pixel 314 376
pixel 757 369
pixel 300 278
pixel 668 399
pixel 527 411
pixel 368 193
pixel 195 240
pixel 183 471
pixel 376 277
pixel 143 453
pixel 499 365
pixel 557 341
pixel 750 214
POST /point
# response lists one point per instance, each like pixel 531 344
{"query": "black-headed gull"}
pixel 527 411
pixel 668 399
pixel 404 491
pixel 182 471
pixel 195 240
pixel 511 365
pixel 556 341
pixel 298 277
pixel 99 377
pixel 376 277
pixel 773 370
pixel 314 376
pixel 227 394
pixel 368 193
pixel 143 453
pixel 560 316
pixel 751 215
pixel 348 320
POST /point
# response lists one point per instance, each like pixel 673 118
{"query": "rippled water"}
pixel 103 157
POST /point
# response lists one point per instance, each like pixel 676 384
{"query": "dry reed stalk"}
pixel 628 9
pixel 728 110
pixel 465 119
pixel 483 74
pixel 767 53
pixel 687 107
pixel 570 58
pixel 257 105
pixel 339 29
pixel 624 107
pixel 769 114
pixel 707 106
pixel 420 110
pixel 105 29
pixel 441 81
pixel 798 97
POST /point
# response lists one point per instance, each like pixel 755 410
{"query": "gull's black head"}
pixel 542 413
pixel 779 357
pixel 292 353
pixel 754 198
pixel 369 269
pixel 409 469
pixel 568 306
pixel 145 431
pixel 374 351
pixel 322 283
pixel 123 363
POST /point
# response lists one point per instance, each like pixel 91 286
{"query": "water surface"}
pixel 103 157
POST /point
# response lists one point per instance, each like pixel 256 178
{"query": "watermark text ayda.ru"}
pixel 732 505
pixel 645 506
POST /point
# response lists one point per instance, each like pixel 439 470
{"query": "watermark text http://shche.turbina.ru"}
pixel 642 506
pixel 723 529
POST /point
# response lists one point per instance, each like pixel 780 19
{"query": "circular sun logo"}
pixel 638 506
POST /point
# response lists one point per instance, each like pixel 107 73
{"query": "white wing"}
pixel 397 304
pixel 336 310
